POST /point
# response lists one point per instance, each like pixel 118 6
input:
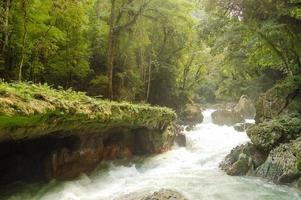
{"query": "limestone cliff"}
pixel 47 133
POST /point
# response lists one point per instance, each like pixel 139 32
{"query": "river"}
pixel 192 170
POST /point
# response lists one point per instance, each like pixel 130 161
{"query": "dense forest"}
pixel 150 95
pixel 161 52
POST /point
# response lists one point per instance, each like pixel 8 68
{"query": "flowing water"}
pixel 192 170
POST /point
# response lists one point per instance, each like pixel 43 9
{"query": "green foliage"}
pixel 166 53
pixel 269 134
pixel 157 55
pixel 260 41
pixel 34 107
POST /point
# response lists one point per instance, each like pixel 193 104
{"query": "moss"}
pixel 269 134
pixel 29 110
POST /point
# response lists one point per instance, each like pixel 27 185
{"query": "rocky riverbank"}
pixel 55 134
pixel 275 149
pixel 274 154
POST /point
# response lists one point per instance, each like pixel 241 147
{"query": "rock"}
pixel 181 139
pixel 284 98
pixel 164 194
pixel 65 157
pixel 270 134
pixel 245 107
pixel 241 127
pixel 222 106
pixel 281 165
pixel 189 128
pixel 243 160
pixel 299 183
pixel 192 114
pixel 154 141
pixel 226 117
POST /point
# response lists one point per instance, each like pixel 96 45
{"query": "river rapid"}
pixel 192 170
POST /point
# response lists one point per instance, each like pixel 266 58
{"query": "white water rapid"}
pixel 192 170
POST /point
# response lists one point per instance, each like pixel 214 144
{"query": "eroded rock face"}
pixel 164 194
pixel 243 160
pixel 282 164
pixel 192 115
pixel 245 107
pixel 226 117
pixel 67 156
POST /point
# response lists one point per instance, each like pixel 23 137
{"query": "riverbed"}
pixel 192 170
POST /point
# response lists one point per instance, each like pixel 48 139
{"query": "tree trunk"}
pixel 24 4
pixel 149 80
pixel 6 25
pixel 111 51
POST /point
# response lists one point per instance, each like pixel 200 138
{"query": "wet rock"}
pixel 270 134
pixel 241 127
pixel 155 141
pixel 181 139
pixel 245 107
pixel 299 183
pixel 66 156
pixel 164 194
pixel 192 114
pixel 282 163
pixel 243 160
pixel 189 128
pixel 226 117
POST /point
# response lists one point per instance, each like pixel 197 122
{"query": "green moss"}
pixel 269 134
pixel 43 110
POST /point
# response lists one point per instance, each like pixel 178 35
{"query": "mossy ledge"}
pixel 30 111
pixel 50 133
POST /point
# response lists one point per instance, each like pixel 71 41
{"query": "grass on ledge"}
pixel 26 106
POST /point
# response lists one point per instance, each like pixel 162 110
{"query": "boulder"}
pixel 164 194
pixel 284 98
pixel 245 107
pixel 226 117
pixel 181 139
pixel 270 134
pixel 243 160
pixel 192 114
pixel 282 163
pixel 223 106
pixel 241 127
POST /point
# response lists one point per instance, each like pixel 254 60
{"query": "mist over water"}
pixel 192 170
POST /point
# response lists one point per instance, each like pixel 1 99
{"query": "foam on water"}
pixel 192 170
